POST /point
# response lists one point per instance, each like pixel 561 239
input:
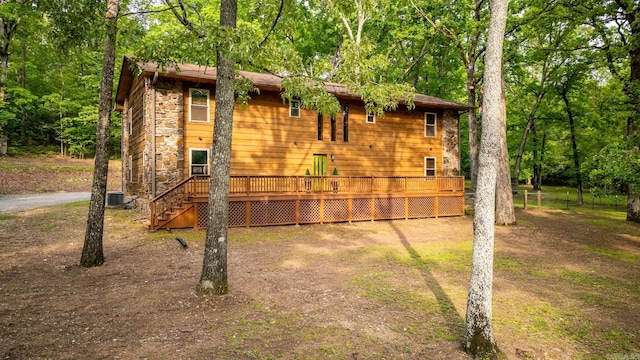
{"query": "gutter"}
pixel 153 134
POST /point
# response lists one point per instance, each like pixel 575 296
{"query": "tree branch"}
pixel 273 26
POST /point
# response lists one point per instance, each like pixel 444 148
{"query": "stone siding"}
pixel 450 144
pixel 169 134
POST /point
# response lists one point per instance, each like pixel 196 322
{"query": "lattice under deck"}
pixel 422 207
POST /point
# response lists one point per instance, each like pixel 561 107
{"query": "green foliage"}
pixel 615 165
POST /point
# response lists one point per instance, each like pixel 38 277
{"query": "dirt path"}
pixel 565 287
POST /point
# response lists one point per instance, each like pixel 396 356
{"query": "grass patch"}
pixel 374 286
pixel 6 217
pixel 614 254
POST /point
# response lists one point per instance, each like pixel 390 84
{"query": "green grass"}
pixel 614 254
pixel 555 197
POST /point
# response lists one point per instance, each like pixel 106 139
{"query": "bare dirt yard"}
pixel 566 286
pixel 25 175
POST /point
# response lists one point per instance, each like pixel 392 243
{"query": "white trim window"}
pixel 371 118
pixel 130 119
pixel 294 108
pixel 430 124
pixel 198 105
pixel 198 161
pixel 429 166
pixel 130 169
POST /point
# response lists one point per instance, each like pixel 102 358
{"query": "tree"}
pixel 479 339
pixel 213 279
pixel 617 25
pixel 10 15
pixel 505 213
pixel 92 254
pixel 467 40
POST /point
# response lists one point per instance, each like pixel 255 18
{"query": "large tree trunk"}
pixel 479 339
pixel 505 213
pixel 92 254
pixel 473 125
pixel 574 146
pixel 213 279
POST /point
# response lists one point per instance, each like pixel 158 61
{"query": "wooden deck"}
pixel 285 200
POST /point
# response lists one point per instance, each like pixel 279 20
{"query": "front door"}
pixel 319 169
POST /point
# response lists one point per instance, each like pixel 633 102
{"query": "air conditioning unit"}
pixel 115 199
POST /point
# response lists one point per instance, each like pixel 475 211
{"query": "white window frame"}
pixel 435 166
pixel 206 166
pixel 130 119
pixel 372 117
pixel 191 105
pixel 435 125
pixel 130 169
pixel 144 167
pixel 293 109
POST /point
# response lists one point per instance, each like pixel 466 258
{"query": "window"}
pixel 130 119
pixel 429 125
pixel 294 108
pixel 319 126
pixel 199 162
pixel 144 167
pixel 371 118
pixel 345 124
pixel 429 166
pixel 130 169
pixel 333 128
pixel 199 105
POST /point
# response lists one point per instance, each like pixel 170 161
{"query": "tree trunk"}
pixel 633 91
pixel 523 141
pixel 505 213
pixel 213 279
pixel 537 186
pixel 479 339
pixel 473 125
pixel 92 251
pixel 7 30
pixel 574 145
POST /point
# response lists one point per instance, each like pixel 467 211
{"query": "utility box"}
pixel 115 199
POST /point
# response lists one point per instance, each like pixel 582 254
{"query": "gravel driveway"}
pixel 11 203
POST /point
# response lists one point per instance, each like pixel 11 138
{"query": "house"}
pixel 167 139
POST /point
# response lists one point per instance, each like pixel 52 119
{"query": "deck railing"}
pixel 250 185
pixel 253 185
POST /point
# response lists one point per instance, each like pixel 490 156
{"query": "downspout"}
pixel 459 146
pixel 153 135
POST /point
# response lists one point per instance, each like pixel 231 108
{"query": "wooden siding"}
pixel 267 141
pixel 136 139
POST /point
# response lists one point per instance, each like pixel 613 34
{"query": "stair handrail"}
pixel 165 203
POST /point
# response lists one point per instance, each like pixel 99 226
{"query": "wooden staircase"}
pixel 176 206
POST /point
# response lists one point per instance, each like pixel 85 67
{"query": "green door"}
pixel 319 169
pixel 319 165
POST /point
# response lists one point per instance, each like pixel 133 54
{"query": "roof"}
pixel 206 74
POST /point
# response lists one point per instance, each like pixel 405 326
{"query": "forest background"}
pixel 567 69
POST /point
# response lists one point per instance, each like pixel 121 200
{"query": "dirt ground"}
pixel 26 175
pixel 566 286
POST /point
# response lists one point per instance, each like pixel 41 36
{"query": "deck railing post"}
pixel 248 185
pixel 152 218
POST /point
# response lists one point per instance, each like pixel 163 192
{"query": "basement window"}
pixel 199 105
